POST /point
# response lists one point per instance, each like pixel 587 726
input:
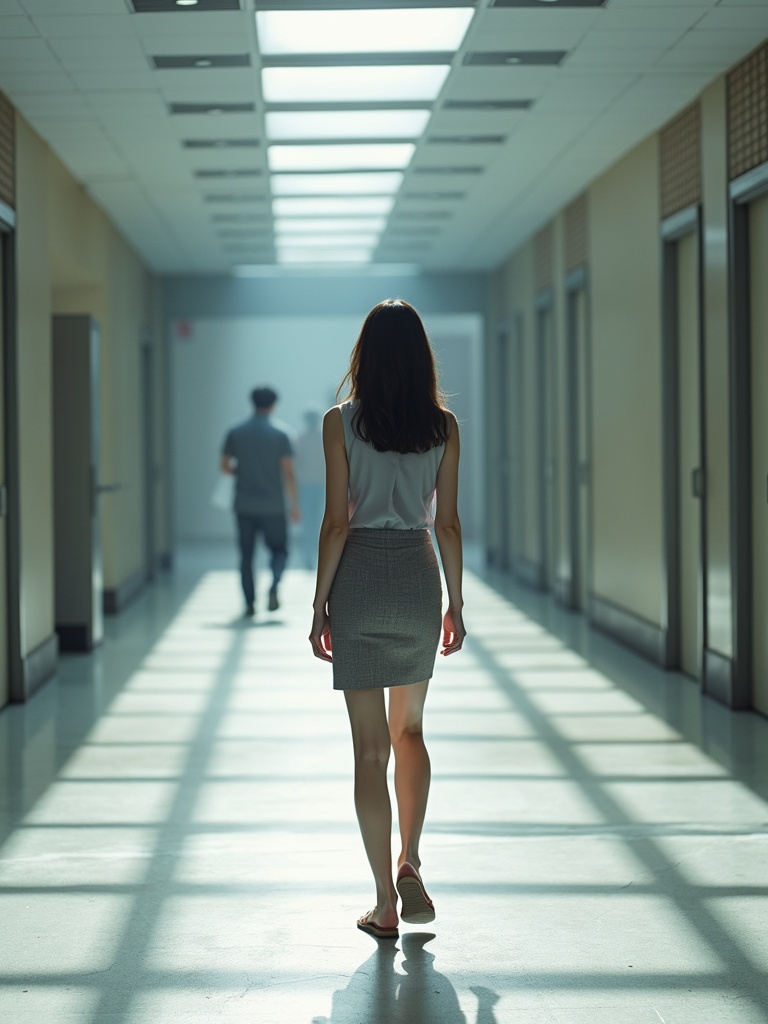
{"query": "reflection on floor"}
pixel 179 842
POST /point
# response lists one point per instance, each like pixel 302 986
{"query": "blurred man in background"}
pixel 259 454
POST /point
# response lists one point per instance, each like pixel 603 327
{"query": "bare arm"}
pixel 334 529
pixel 227 465
pixel 289 482
pixel 448 534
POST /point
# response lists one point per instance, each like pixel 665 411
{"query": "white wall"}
pixel 217 362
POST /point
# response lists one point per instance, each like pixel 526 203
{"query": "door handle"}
pixel 697 482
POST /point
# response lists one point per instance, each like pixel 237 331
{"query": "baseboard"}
pixel 717 677
pixel 563 593
pixel 37 668
pixel 528 572
pixel 119 597
pixel 632 630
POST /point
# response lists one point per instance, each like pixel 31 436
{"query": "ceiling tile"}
pixel 630 39
pixel 33 53
pixel 118 81
pixel 53 105
pixel 181 45
pixel 202 86
pixel 743 39
pixel 11 8
pixel 754 17
pixel 531 30
pixel 17 80
pixel 606 58
pixel 652 16
pixel 72 49
pixel 204 23
pixel 498 83
pixel 84 26
pixel 16 28
pixel 54 7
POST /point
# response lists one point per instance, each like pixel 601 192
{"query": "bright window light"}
pixel 367 31
pixel 340 158
pixel 324 256
pixel 346 124
pixel 326 225
pixel 366 183
pixel 337 84
pixel 351 241
pixel 328 206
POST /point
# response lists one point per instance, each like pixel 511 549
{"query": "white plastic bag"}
pixel 223 494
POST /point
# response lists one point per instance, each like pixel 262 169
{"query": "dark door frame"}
pixel 577 474
pixel 508 468
pixel 736 691
pixel 17 686
pixel 680 225
pixel 545 306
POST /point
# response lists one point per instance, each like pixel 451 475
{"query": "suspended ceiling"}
pixel 159 111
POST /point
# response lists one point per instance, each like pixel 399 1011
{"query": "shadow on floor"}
pixel 379 994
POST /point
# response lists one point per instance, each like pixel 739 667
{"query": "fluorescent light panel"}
pixel 346 124
pixel 325 225
pixel 365 183
pixel 332 206
pixel 359 157
pixel 362 31
pixel 351 241
pixel 324 255
pixel 337 84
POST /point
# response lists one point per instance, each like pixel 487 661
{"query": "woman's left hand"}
pixel 320 636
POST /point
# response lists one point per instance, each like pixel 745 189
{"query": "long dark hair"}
pixel 393 377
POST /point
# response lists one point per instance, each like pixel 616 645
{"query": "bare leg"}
pixel 370 739
pixel 412 768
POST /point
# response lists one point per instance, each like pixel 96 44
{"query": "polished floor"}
pixel 178 841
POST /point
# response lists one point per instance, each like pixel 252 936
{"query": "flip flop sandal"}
pixel 417 907
pixel 376 930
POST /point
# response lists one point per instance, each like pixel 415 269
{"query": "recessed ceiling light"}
pixel 327 225
pixel 532 58
pixel 346 124
pixel 369 183
pixel 334 84
pixel 186 3
pixel 362 31
pixel 354 240
pixel 324 255
pixel 393 156
pixel 332 206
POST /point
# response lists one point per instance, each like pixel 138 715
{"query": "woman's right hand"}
pixel 453 631
pixel 320 636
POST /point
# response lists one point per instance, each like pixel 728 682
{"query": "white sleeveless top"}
pixel 388 490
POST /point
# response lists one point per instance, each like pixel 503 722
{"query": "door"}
pixel 150 473
pixel 4 660
pixel 547 482
pixel 578 447
pixel 505 449
pixel 758 275
pixel 76 441
pixel 689 453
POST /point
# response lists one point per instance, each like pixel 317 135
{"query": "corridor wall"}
pixel 629 534
pixel 71 259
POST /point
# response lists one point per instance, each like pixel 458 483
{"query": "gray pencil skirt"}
pixel 385 610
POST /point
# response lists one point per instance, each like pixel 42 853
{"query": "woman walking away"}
pixel 391 449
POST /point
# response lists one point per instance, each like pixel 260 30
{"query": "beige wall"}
pixel 71 259
pixel 626 383
pixel 34 390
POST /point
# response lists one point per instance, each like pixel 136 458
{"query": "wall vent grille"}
pixel 7 153
pixel 576 226
pixel 748 113
pixel 680 161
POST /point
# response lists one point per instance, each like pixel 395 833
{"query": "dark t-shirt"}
pixel 258 445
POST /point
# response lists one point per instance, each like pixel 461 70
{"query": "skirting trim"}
pixel 717 677
pixel 644 637
pixel 119 597
pixel 530 573
pixel 37 668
